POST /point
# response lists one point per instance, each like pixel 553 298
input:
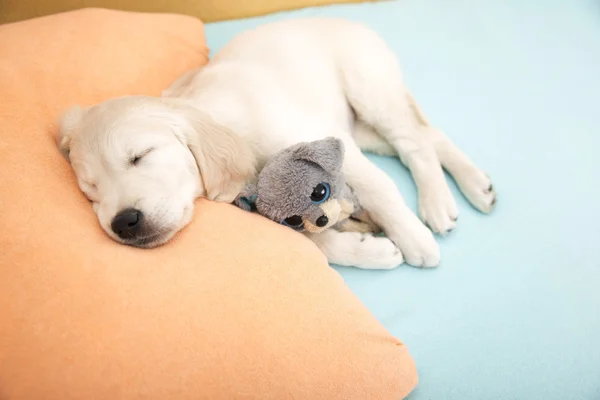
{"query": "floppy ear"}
pixel 246 200
pixel 225 160
pixel 67 129
pixel 327 153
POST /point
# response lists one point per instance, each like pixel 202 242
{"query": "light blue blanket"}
pixel 513 312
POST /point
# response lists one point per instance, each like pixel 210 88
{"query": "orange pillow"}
pixel 235 307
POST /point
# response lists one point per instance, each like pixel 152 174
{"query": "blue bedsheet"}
pixel 513 312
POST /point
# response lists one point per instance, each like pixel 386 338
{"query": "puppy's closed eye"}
pixel 138 157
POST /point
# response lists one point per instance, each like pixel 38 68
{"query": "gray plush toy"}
pixel 303 187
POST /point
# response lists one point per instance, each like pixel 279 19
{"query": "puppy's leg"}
pixel 373 85
pixel 361 250
pixel 379 196
pixel 370 141
pixel 473 183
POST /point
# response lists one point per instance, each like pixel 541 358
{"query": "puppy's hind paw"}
pixel 479 190
pixel 438 210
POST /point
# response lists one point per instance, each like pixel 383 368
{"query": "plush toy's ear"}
pixel 327 153
pixel 67 129
pixel 246 200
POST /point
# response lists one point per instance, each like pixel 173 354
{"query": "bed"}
pixel 513 312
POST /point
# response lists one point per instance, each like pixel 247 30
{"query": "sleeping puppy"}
pixel 142 161
pixel 139 160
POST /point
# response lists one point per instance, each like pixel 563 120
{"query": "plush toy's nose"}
pixel 322 221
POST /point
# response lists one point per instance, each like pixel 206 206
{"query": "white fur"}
pixel 280 84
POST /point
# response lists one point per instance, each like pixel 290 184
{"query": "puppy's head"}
pixel 142 162
pixel 301 186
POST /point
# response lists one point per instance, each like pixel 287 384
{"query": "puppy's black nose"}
pixel 322 221
pixel 127 223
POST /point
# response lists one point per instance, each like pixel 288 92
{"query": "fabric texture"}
pixel 235 307
pixel 512 313
pixel 206 10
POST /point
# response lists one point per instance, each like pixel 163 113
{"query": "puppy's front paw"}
pixel 354 249
pixel 417 243
pixel 377 252
pixel 437 209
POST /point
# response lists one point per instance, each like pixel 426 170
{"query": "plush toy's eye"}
pixel 320 193
pixel 294 221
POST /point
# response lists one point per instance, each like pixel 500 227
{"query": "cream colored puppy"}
pixel 143 161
